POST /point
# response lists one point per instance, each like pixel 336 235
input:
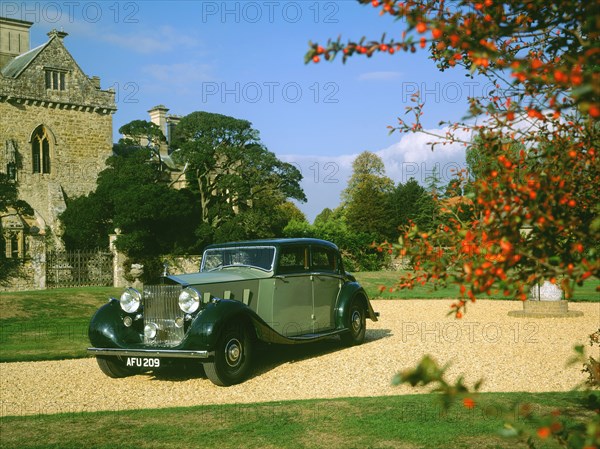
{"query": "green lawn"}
pixel 372 280
pixel 412 421
pixel 48 324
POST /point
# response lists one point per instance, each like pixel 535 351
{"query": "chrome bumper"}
pixel 170 353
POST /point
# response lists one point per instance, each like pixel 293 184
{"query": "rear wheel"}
pixel 115 368
pixel 233 357
pixel 356 323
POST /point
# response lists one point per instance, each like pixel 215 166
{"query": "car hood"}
pixel 218 276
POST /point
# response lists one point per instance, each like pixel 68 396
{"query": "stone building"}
pixel 55 136
pixel 55 123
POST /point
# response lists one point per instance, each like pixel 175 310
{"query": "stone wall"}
pixel 182 264
pixel 80 144
pixel 33 269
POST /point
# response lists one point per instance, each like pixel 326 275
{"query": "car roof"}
pixel 275 242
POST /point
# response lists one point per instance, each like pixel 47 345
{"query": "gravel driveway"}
pixel 512 354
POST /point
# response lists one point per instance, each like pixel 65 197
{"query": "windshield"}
pixel 261 257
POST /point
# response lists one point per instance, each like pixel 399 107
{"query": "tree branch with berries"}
pixel 533 213
pixel 530 207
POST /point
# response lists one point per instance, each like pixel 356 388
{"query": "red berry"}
pixel 421 27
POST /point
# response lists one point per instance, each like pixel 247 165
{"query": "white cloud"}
pixel 144 40
pixel 379 76
pixel 161 40
pixel 411 157
pixel 180 74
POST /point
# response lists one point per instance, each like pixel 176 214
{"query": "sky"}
pixel 246 59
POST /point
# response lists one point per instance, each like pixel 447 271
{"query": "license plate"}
pixel 143 362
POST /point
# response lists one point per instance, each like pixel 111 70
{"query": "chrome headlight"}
pixel 131 300
pixel 189 300
pixel 150 330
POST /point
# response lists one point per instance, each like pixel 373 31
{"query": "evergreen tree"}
pixel 366 198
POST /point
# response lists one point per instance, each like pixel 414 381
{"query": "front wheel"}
pixel 233 357
pixel 115 368
pixel 357 324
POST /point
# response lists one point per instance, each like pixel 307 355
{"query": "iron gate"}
pixel 79 269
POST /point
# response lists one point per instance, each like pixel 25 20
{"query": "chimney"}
pixel 172 122
pixel 158 116
pixel 14 39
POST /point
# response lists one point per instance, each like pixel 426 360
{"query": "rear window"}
pixel 293 259
pixel 324 259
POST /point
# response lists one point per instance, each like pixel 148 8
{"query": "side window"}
pixel 293 259
pixel 324 259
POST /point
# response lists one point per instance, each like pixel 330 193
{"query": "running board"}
pixel 313 337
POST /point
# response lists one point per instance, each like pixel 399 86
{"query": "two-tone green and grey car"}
pixel 282 291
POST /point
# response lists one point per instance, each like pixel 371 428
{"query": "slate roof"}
pixel 15 67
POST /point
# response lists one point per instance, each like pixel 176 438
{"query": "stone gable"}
pixel 79 91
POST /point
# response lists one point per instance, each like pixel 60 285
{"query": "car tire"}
pixel 115 368
pixel 233 357
pixel 356 323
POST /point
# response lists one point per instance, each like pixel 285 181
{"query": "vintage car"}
pixel 281 291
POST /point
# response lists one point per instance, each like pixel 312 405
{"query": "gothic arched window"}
pixel 14 246
pixel 40 150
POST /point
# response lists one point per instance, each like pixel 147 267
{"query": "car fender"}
pixel 214 318
pixel 107 330
pixel 218 315
pixel 348 293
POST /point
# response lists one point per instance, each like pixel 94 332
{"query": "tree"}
pixel 9 204
pixel 366 198
pixel 229 166
pixel 131 195
pixel 289 211
pixel 324 216
pixel 87 222
pixel 139 134
pixel 404 204
pixel 480 162
pixel 543 60
pixel 243 191
pixel 263 220
pixel 8 197
pixel 428 206
pixel 356 247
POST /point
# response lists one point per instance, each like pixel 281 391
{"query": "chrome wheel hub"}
pixel 233 352
pixel 356 321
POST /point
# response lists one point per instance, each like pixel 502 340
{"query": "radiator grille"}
pixel 161 308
